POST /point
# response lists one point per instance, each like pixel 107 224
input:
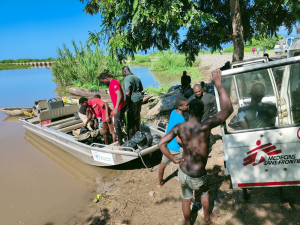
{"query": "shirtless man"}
pixel 194 140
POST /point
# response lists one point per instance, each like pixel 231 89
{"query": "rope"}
pixel 151 170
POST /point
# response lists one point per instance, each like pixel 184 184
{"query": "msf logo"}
pixel 261 153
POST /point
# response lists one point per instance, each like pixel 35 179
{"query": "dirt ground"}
pixel 129 195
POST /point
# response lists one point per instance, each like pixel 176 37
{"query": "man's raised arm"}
pixel 226 105
pixel 162 144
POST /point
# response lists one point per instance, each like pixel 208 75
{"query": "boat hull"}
pixel 86 153
pixel 15 111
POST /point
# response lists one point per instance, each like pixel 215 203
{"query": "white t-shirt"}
pixel 281 43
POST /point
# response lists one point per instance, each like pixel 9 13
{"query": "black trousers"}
pixel 119 122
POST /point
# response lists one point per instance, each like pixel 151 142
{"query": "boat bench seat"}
pixel 56 113
pixel 66 124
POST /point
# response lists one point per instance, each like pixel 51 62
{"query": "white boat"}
pixel 95 154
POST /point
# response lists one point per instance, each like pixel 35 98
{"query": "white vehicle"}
pixel 277 49
pixel 289 42
pixel 294 50
pixel 263 155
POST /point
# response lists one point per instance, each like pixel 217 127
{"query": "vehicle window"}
pixel 294 91
pixel 254 100
pixel 296 39
pixel 278 75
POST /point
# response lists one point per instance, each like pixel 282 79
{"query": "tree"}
pixel 131 25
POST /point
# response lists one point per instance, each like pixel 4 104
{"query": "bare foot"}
pixel 161 184
pixel 286 201
pixel 212 218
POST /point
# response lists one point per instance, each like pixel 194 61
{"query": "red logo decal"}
pixel 298 133
pixel 261 153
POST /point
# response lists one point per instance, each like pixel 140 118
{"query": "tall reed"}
pixel 82 66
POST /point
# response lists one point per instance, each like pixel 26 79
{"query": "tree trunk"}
pixel 298 30
pixel 238 32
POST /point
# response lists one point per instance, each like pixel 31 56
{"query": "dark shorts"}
pixel 134 113
pixel 189 183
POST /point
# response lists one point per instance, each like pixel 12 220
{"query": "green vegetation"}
pixel 26 60
pixel 130 26
pixel 169 62
pixel 143 60
pixel 166 64
pixel 260 41
pixel 174 64
pixel 82 67
pixel 13 67
pixel 158 90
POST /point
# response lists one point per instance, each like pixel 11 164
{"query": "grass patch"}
pixel 170 63
pixel 143 60
pixel 157 91
pixel 13 67
pixel 82 67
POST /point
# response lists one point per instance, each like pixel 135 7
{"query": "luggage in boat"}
pixel 141 140
pixel 89 137
pixel 156 139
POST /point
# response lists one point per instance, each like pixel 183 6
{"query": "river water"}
pixel 41 183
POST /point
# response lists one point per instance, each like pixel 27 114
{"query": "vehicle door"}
pixel 261 138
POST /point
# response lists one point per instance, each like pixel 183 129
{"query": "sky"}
pixel 34 29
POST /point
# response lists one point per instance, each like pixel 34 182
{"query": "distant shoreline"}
pixel 14 67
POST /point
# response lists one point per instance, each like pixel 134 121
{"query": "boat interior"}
pixel 61 119
pixel 64 121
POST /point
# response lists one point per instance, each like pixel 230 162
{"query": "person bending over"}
pixel 194 138
pixel 100 109
pixel 117 98
pixel 182 105
pixel 83 115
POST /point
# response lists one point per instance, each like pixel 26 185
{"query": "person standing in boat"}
pixel 100 109
pixel 133 92
pixel 117 98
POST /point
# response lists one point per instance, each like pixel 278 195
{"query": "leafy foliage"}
pixel 82 67
pixel 131 25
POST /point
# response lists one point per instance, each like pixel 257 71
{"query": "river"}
pixel 40 183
